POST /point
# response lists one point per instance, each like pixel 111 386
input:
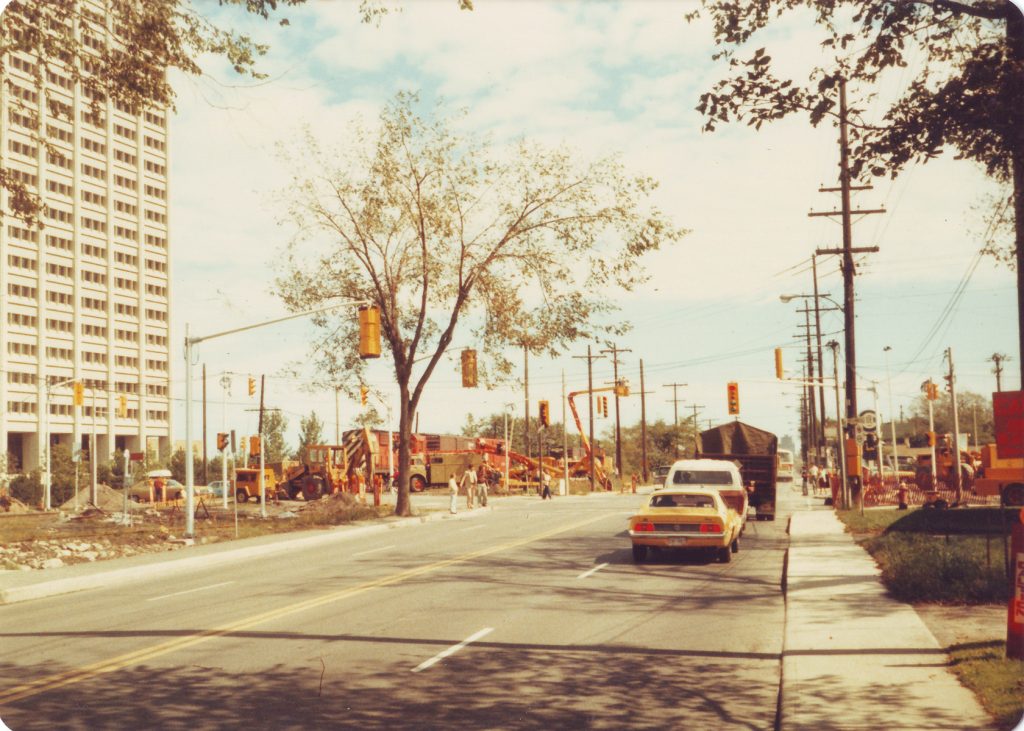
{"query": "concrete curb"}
pixel 118 576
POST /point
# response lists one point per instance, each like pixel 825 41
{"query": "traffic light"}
pixel 252 386
pixel 931 438
pixel 254 446
pixel 469 368
pixel 222 441
pixel 364 391
pixel 545 415
pixel 780 373
pixel 234 447
pixel 733 397
pixel 604 406
pixel 369 331
pixel 933 391
pixel 949 382
pixel 79 393
pixel 122 406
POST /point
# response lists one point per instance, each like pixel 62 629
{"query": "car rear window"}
pixel 682 501
pixel 702 477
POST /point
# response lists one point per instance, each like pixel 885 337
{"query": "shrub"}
pixel 27 488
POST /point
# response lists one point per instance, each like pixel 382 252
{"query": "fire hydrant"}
pixel 901 496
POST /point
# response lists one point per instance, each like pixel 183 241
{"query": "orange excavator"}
pixel 582 467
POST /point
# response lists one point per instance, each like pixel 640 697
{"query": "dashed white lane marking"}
pixel 189 591
pixel 372 550
pixel 452 650
pixel 472 527
pixel 594 570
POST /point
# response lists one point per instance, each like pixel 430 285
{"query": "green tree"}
pixel 157 36
pixel 177 465
pixel 274 425
pixel 310 432
pixel 434 227
pixel 968 404
pixel 965 93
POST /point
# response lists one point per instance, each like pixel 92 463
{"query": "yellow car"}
pixel 685 518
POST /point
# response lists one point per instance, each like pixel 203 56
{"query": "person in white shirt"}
pixel 453 495
pixel 469 482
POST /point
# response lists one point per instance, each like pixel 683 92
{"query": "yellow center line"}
pixel 77 675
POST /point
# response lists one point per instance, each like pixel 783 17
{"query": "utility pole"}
pixel 843 486
pixel 847 252
pixel 675 405
pixel 259 427
pixel 951 379
pixel 590 408
pixel 998 359
pixel 821 368
pixel 643 425
pixel 696 427
pixel 812 412
pixel 615 350
pixel 206 477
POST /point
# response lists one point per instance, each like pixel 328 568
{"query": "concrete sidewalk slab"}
pixel 854 658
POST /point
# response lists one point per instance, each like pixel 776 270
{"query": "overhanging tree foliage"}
pixel 966 94
pixel 435 228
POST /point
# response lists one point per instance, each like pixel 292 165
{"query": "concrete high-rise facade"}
pixel 84 295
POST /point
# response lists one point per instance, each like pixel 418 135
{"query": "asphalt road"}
pixel 529 615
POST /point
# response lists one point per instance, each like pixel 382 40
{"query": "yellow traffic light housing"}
pixel 733 398
pixel 79 393
pixel 545 414
pixel 254 446
pixel 622 387
pixel 369 331
pixel 604 406
pixel 364 392
pixel 122 406
pixel 252 386
pixel 780 372
pixel 469 368
pixel 222 441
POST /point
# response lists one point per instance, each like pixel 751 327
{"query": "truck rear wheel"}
pixel 417 483
pixel 241 496
pixel 1013 495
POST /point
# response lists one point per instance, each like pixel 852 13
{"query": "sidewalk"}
pixel 854 658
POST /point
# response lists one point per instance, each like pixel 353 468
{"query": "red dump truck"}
pixel 755 451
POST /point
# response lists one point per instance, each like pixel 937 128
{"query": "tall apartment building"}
pixel 86 295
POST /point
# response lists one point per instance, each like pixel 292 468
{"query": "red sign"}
pixel 136 456
pixel 1008 417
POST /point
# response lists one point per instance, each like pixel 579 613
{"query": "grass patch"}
pixel 943 556
pixel 997 681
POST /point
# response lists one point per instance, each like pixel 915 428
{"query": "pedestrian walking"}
pixel 469 482
pixel 453 495
pixel 481 486
pixel 546 492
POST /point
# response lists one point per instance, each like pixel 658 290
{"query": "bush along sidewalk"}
pixel 943 556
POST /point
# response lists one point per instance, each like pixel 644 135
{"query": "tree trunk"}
pixel 402 504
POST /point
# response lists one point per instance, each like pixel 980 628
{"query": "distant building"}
pixel 86 296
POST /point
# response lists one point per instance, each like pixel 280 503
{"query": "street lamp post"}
pixel 840 436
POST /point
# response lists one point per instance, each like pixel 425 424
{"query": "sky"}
pixel 600 77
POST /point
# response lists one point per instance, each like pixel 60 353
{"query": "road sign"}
pixel 136 456
pixel 868 420
pixel 1008 413
pixel 76 453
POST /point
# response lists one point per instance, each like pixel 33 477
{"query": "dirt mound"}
pixel 10 504
pixel 107 498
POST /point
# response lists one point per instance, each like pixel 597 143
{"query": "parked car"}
pixel 216 488
pixel 659 474
pixel 685 518
pixel 147 490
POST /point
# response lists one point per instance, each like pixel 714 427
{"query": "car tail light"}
pixel 644 527
pixel 710 528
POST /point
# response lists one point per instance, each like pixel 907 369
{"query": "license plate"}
pixel 677 541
